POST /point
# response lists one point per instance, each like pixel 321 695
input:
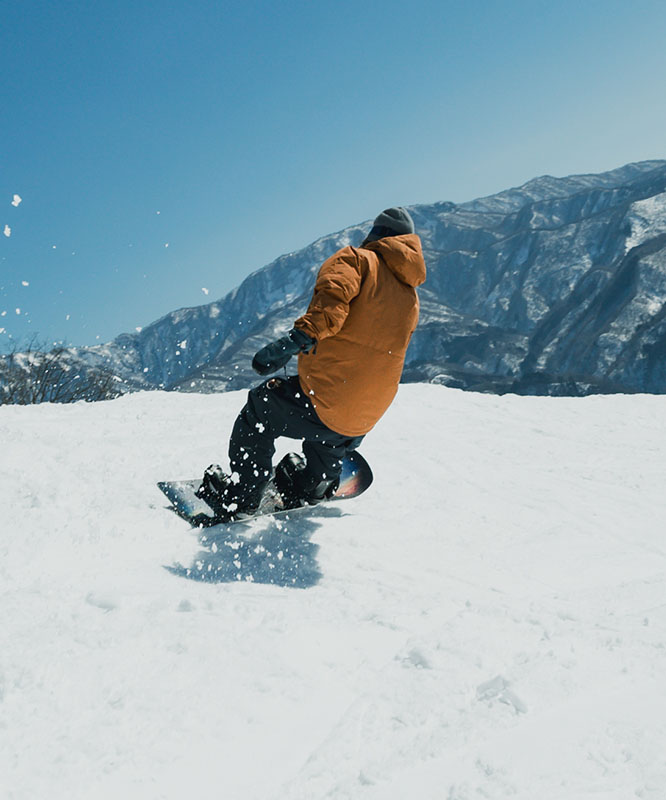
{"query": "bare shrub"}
pixel 36 374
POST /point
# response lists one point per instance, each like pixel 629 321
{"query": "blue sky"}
pixel 236 131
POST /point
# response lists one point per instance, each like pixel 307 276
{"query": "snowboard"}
pixel 355 478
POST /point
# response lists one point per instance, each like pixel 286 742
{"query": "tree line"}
pixel 38 374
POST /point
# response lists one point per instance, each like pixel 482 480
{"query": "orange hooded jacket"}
pixel 363 312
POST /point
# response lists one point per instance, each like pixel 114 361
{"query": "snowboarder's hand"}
pixel 275 355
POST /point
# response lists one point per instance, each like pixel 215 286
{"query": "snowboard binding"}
pixel 212 491
pixel 297 488
pixel 216 490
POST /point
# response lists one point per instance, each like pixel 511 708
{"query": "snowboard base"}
pixel 355 478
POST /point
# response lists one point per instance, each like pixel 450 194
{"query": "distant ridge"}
pixel 554 287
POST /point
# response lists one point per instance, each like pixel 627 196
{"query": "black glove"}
pixel 276 354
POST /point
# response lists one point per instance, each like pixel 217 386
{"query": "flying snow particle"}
pixel 25 283
pixel 166 244
pixel 2 330
pixel 158 212
pixel 138 330
pixel 205 291
pixel 18 311
pixel 67 318
pixel 53 247
pixel 3 314
pixel 183 344
pixel 16 202
pixel 7 231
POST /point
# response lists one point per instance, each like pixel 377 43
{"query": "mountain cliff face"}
pixel 556 287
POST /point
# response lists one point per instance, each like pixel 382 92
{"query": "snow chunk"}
pixel 101 600
pixel 498 689
pixel 204 290
pixel 25 283
pixel 16 201
pixel 7 231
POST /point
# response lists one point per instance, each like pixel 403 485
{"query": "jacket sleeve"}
pixel 338 283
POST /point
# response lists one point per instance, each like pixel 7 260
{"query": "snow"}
pixel 7 231
pixel 647 219
pixel 488 620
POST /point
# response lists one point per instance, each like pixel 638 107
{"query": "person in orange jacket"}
pixel 351 345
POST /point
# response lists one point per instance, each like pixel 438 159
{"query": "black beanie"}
pixel 395 219
pixel 391 222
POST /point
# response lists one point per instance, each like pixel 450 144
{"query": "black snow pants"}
pixel 278 407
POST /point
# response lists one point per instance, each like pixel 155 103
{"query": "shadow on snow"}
pixel 280 553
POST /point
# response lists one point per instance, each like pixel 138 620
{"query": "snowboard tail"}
pixel 355 478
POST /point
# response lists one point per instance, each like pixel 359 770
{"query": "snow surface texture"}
pixel 487 621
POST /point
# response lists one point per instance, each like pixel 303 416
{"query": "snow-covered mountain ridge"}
pixel 555 287
pixel 496 628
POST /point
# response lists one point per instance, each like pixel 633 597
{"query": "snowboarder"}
pixel 351 346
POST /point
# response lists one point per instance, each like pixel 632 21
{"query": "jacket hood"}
pixel 403 256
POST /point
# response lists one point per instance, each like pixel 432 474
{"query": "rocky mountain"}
pixel 555 287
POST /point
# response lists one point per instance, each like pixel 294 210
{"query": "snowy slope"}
pixel 487 621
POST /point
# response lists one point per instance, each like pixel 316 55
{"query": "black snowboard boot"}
pixel 298 487
pixel 213 485
pixel 222 495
